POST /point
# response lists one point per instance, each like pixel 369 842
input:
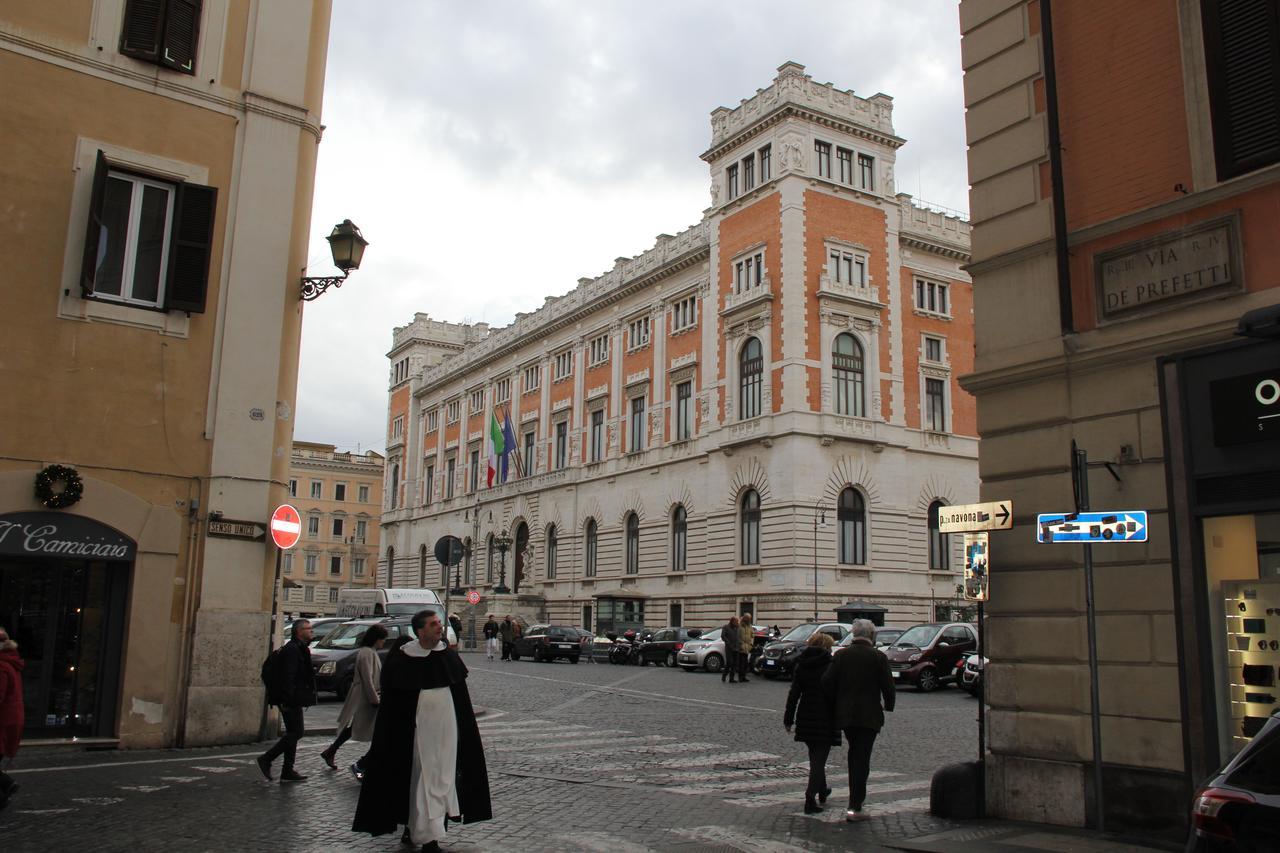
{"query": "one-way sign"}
pixel 1129 525
pixel 971 518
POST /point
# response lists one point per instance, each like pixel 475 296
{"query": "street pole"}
pixel 982 710
pixel 271 641
pixel 1080 474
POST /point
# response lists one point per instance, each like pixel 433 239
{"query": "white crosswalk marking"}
pixel 794 796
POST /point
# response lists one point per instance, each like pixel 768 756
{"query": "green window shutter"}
pixel 1242 59
pixel 190 245
pixel 93 231
pixel 142 30
pixel 181 35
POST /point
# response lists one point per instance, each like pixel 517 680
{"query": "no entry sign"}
pixel 286 527
pixel 473 597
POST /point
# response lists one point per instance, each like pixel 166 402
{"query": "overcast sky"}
pixel 495 152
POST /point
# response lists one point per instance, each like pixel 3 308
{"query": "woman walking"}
pixel 355 720
pixel 808 710
pixel 730 637
pixel 856 681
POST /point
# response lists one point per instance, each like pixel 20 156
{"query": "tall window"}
pixel 823 152
pixel 532 376
pixel 750 379
pixel 475 470
pixel 394 500
pixel 466 561
pixel 488 562
pixel 597 435
pixel 133 239
pixel 633 544
pixel 636 429
pixel 731 175
pixel 846 267
pixel 748 272
pixel 844 157
pixel 363 494
pixel 357 567
pixel 362 531
pixel 293 488
pixel 866 172
pixel 338 528
pixel 428 484
pixel 1244 83
pixel 340 492
pixel 679 539
pixel 931 297
pixel 563 366
pixel 528 453
pixel 684 313
pixel 852 516
pixel 562 444
pixel 749 528
pixel 638 332
pixel 316 487
pixel 311 561
pixel 766 166
pixel 748 173
pixel 684 411
pixel 849 375
pixel 422 566
pixel 598 350
pixel 552 552
pixel 391 565
pixel 939 556
pixel 591 549
pixel 313 526
pixel 335 565
pixel 450 476
pixel 935 405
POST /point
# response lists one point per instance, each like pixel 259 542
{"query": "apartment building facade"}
pixel 1125 165
pixel 338 495
pixel 759 414
pixel 157 166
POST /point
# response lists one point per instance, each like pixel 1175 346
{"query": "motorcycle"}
pixel 622 648
pixel 755 658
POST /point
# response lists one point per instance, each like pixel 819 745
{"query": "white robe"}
pixel 433 783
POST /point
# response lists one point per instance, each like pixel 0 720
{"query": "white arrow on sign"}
pixel 1137 527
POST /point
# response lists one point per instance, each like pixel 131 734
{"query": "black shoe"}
pixel 431 847
pixel 823 794
pixel 358 772
pixel 405 839
pixel 265 767
pixel 744 679
pixel 811 806
pixel 327 755
pixel 291 775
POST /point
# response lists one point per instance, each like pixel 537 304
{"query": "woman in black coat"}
pixel 810 713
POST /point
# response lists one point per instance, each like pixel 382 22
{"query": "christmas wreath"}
pixel 72 486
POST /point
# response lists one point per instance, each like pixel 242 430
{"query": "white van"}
pixel 354 603
pixel 365 602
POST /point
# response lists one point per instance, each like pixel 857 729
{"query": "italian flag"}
pixel 497 446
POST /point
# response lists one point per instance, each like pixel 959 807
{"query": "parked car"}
pixel 666 645
pixel 548 642
pixel 333 659
pixel 925 655
pixel 885 637
pixel 704 652
pixel 970 670
pixel 780 656
pixel 1238 810
pixel 320 628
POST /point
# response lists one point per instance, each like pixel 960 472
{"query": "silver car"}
pixel 706 652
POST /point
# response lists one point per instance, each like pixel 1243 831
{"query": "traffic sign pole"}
pixel 1080 481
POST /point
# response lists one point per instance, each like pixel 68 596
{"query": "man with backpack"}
pixel 291 685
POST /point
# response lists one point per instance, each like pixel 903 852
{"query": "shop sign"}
pixel 1195 262
pixel 229 528
pixel 1246 408
pixel 56 534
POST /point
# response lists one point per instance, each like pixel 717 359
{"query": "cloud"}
pixel 493 152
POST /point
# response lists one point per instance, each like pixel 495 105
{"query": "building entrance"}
pixel 63 592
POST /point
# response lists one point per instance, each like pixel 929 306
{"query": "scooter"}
pixel 623 648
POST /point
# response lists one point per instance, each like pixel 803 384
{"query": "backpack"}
pixel 272 676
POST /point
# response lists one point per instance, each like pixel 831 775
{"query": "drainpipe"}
pixel 1055 168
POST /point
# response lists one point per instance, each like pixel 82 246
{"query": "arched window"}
pixel 750 379
pixel 848 376
pixel 591 548
pixel 679 539
pixel 749 528
pixel 939 548
pixel 488 559
pixel 633 544
pixel 422 566
pixel 391 563
pixel 466 562
pixel 552 552
pixel 852 515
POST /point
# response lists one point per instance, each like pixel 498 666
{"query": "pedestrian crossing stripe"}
pixel 834 781
pixel 774 782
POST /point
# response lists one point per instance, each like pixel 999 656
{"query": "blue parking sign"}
pixel 1128 525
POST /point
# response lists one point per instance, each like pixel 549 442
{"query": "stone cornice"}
pixel 937 247
pixel 808 114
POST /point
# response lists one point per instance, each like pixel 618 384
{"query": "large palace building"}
pixel 760 413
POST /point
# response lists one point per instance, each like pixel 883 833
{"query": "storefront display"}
pixel 1253 654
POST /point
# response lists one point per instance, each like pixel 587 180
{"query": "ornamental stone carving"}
pixel 792 153
pixel 715 192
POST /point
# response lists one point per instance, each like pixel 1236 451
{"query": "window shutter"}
pixel 93 231
pixel 1242 58
pixel 141 32
pixel 190 245
pixel 181 35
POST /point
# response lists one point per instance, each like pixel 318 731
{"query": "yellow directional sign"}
pixel 971 518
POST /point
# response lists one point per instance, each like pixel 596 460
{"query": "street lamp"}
pixel 502 542
pixel 819 517
pixel 346 244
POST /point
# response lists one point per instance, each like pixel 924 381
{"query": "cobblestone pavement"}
pixel 581 758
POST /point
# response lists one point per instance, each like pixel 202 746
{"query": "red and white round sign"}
pixel 474 596
pixel 286 527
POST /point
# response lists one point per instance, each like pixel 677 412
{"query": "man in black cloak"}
pixel 426 763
